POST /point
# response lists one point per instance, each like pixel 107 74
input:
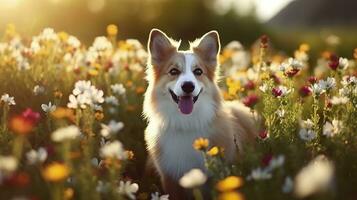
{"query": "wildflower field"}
pixel 72 128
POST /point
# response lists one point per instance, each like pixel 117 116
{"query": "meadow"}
pixel 72 126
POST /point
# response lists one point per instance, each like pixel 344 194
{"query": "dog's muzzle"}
pixel 176 98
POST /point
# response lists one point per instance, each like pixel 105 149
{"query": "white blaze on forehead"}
pixel 187 76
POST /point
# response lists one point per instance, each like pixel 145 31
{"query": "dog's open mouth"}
pixel 185 103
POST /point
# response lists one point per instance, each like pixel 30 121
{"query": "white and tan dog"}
pixel 183 103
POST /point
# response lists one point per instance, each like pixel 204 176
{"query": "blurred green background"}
pixel 287 22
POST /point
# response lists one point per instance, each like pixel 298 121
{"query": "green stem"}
pixel 197 194
pixel 18 146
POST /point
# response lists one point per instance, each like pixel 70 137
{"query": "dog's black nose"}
pixel 188 87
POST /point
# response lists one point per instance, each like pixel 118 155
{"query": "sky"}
pixel 265 9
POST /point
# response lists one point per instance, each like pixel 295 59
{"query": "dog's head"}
pixel 183 77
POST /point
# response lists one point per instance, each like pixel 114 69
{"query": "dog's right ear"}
pixel 159 47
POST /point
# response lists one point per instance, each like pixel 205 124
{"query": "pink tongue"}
pixel 185 104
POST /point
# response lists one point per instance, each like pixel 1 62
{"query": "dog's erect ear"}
pixel 159 47
pixel 208 47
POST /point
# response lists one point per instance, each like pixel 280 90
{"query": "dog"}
pixel 183 102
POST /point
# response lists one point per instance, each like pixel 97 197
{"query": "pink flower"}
pixel 277 92
pixel 334 62
pixel 305 91
pixel 250 85
pixel 31 116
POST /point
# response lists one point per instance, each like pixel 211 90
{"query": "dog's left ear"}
pixel 209 47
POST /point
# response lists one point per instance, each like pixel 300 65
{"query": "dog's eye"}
pixel 198 72
pixel 174 72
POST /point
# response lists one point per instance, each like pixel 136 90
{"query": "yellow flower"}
pixel 200 144
pixel 112 30
pixel 229 183
pixel 304 47
pixel 93 72
pixel 264 76
pixel 213 151
pixel 10 30
pixel 63 36
pixel 231 196
pixel 233 86
pixel 55 172
pixel 68 194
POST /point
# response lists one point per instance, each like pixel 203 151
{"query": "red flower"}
pixel 250 100
pixel 305 91
pixel 263 134
pixel 312 79
pixel 277 92
pixel 266 159
pixel 20 179
pixel 334 62
pixel 264 41
pixel 250 85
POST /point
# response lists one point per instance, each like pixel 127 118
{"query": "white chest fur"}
pixel 177 153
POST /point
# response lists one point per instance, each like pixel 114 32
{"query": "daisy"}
pixel 48 108
pixel 315 177
pixel 112 127
pixel 37 90
pixel 259 174
pixel 156 196
pixel 331 129
pixel 38 156
pixel 113 150
pixel 193 178
pixel 7 99
pixel 118 89
pixel 339 100
pixel 128 189
pixel 111 100
pixel 307 134
pixel 66 133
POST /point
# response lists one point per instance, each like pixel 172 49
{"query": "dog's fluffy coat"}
pixel 170 133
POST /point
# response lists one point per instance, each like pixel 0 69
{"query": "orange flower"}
pixel 68 194
pixel 231 196
pixel 20 125
pixel 61 113
pixel 99 116
pixel 55 172
pixel 130 154
pixel 58 94
pixel 230 183
pixel 140 90
pixel 131 108
pixel 200 144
